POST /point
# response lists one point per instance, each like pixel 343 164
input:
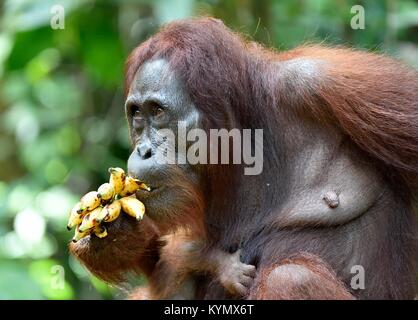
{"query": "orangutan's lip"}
pixel 139 180
pixel 144 194
pixel 152 189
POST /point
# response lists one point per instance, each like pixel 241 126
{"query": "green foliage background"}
pixel 61 107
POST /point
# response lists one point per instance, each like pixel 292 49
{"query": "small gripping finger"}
pixel 235 276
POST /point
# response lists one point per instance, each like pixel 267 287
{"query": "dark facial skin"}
pixel 157 100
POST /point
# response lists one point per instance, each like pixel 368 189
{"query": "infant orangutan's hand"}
pixel 235 276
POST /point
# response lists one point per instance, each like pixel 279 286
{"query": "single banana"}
pixel 106 191
pixel 109 213
pixel 89 221
pixel 80 235
pixel 133 207
pixel 76 216
pixel 131 185
pixel 100 231
pixel 117 179
pixel 90 201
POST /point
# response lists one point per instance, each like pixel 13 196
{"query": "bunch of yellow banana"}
pixel 106 204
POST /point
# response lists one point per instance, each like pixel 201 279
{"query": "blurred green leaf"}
pixel 50 276
pixel 15 282
pixel 21 15
pixel 102 287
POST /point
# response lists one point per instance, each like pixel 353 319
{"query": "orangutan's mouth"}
pixel 144 194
